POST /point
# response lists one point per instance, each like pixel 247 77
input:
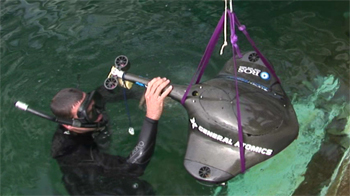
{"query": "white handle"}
pixel 21 105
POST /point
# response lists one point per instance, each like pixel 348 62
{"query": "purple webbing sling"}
pixel 235 49
pixel 206 56
pixel 262 57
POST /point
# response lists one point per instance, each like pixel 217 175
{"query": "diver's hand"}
pixel 155 97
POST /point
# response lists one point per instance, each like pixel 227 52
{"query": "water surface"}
pixel 53 44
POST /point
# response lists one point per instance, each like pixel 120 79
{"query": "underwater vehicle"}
pixel 268 120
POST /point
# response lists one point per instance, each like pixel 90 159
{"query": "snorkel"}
pixel 86 119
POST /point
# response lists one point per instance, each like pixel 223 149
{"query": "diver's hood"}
pixel 268 120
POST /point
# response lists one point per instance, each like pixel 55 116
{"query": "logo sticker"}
pixel 257 149
pixel 249 70
pixel 226 140
pixel 210 134
pixel 264 75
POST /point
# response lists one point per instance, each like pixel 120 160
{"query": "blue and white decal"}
pixel 249 70
pixel 264 75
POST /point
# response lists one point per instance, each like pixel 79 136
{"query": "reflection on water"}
pixel 48 45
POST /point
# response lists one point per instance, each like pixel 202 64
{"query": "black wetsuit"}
pixel 89 171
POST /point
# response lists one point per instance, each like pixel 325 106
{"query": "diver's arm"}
pixel 144 149
pixel 154 101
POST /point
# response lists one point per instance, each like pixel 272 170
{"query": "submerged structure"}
pixel 214 149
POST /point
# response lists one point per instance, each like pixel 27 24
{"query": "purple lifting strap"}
pixel 262 57
pixel 239 122
pixel 202 65
pixel 205 58
pixel 235 49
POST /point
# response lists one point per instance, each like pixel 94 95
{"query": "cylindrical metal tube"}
pixel 177 92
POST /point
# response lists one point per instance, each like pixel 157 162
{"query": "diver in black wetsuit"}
pixel 86 169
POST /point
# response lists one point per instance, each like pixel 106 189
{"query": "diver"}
pixel 87 170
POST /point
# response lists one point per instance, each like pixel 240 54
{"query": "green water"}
pixel 53 44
